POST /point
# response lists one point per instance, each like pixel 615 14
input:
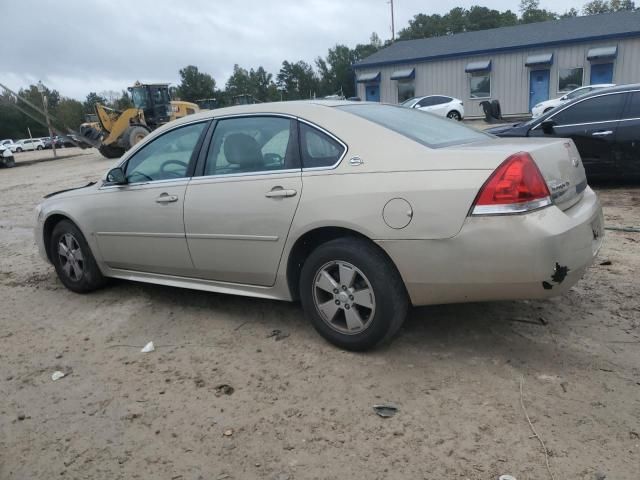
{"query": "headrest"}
pixel 243 150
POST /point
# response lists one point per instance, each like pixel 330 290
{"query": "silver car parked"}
pixel 358 210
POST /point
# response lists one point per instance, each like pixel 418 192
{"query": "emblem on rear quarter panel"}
pixel 575 162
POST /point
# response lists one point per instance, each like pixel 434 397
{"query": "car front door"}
pixel 238 212
pixel 628 138
pixel 592 124
pixel 139 226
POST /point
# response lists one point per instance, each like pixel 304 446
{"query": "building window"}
pixel 480 84
pixel 406 90
pixel 569 79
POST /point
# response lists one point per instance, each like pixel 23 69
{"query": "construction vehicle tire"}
pixel 133 135
pixel 111 151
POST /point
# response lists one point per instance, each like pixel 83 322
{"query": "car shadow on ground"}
pixel 511 330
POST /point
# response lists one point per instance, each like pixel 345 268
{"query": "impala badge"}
pixel 575 161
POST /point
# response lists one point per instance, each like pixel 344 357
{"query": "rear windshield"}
pixel 417 125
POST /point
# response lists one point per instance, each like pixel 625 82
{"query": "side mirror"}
pixel 547 126
pixel 117 176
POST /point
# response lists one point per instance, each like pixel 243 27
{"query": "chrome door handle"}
pixel 164 198
pixel 279 192
pixel 602 134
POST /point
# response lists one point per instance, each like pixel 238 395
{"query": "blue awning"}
pixel 483 66
pixel 541 59
pixel 373 77
pixel 602 52
pixel 404 74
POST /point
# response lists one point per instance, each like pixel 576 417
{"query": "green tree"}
pixel 482 18
pixel 530 12
pixel 296 80
pixel 595 7
pixel 123 102
pixel 572 12
pixel 239 82
pixel 336 74
pixel 90 102
pixel 195 85
pixel 261 85
pixel 70 114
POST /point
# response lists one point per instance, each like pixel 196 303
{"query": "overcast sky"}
pixel 78 46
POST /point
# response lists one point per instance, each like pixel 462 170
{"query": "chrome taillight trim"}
pixel 511 208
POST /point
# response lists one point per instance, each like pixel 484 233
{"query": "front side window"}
pixel 569 79
pixel 633 109
pixel 167 157
pixel 596 109
pixel 252 144
pixel 480 85
pixel 424 128
pixel 406 90
pixel 317 148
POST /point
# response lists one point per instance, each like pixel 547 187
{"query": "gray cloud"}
pixel 80 46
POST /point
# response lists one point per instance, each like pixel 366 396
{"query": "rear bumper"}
pixel 536 255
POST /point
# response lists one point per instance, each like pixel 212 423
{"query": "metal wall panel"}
pixel 509 75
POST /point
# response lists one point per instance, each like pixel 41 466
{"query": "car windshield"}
pixel 423 127
pixel 410 102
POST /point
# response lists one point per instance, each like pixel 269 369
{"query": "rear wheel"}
pixel 111 151
pixel 18 149
pixel 39 147
pixel 352 294
pixel 72 258
pixel 454 115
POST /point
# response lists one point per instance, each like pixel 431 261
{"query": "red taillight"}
pixel 516 186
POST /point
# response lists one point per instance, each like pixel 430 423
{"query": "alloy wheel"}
pixel 343 297
pixel 71 257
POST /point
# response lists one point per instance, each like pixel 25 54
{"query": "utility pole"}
pixel 393 23
pixel 45 102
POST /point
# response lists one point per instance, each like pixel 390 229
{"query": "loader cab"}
pixel 154 101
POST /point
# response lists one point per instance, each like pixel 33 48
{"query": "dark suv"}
pixel 604 124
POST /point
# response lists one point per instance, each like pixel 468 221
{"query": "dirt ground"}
pixel 300 407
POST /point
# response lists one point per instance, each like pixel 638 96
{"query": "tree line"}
pixel 296 79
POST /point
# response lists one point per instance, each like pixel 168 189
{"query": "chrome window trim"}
pixel 244 174
pixel 110 185
pixel 344 147
pixel 582 100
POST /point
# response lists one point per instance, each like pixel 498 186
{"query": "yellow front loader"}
pixel 117 131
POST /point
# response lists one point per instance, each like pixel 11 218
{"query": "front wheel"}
pixel 454 115
pixel 39 147
pixel 72 258
pixel 19 150
pixel 352 294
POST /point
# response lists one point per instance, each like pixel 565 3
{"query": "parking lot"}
pixel 298 407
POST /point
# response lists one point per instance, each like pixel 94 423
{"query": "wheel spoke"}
pixel 326 282
pixel 329 310
pixel 68 240
pixel 63 251
pixel 363 298
pixel 67 268
pixel 77 254
pixel 77 271
pixel 346 275
pixel 354 321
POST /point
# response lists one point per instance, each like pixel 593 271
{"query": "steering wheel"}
pixel 270 158
pixel 170 172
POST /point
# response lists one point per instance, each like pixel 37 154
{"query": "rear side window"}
pixel 317 148
pixel 423 127
pixel 596 109
pixel 633 109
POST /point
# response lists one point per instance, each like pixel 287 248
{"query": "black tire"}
pixel 454 115
pixel 8 162
pixel 110 151
pixel 39 147
pixel 90 277
pixel 390 296
pixel 19 150
pixel 133 135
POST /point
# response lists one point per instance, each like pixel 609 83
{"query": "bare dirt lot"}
pixel 301 408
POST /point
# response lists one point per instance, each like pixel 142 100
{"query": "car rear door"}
pixel 627 149
pixel 592 124
pixel 239 209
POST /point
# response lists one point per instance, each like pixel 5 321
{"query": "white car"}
pixel 438 104
pixel 27 144
pixel 544 107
